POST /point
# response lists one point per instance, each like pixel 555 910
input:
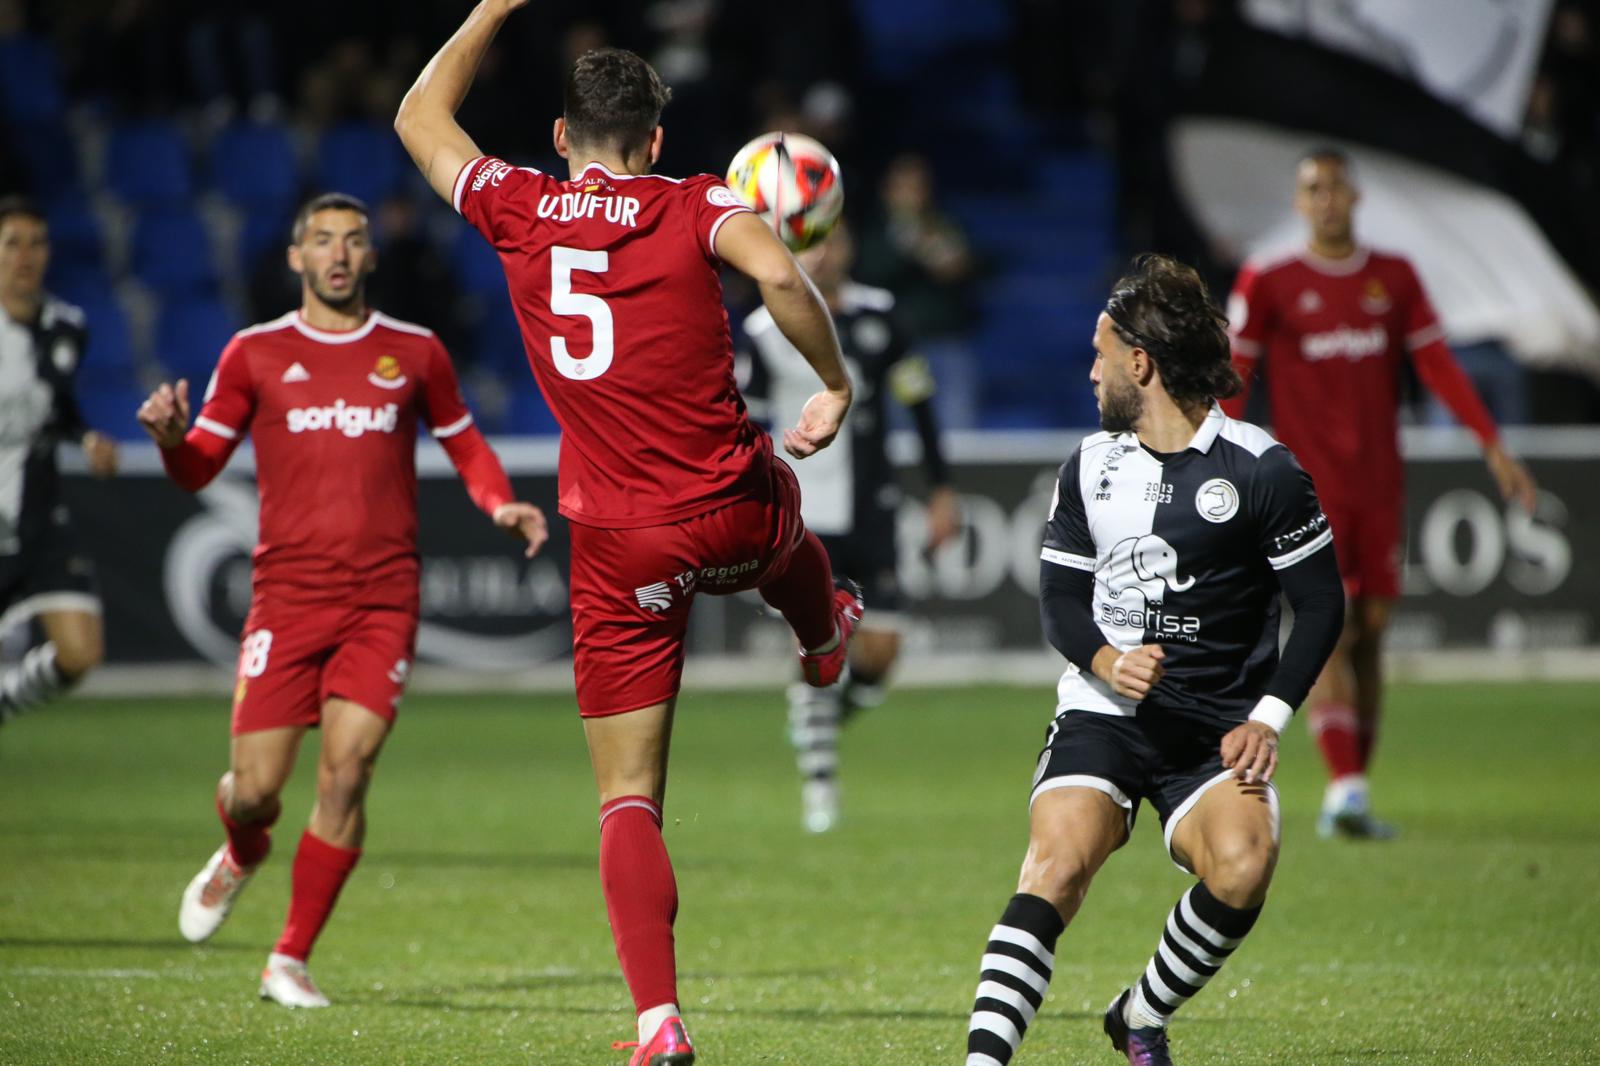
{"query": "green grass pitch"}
pixel 473 930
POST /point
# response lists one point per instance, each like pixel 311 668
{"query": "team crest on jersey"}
pixel 1375 298
pixel 1310 302
pixel 386 373
pixel 1217 500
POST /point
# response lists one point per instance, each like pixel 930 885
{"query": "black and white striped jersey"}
pixel 850 485
pixel 1183 550
pixel 37 411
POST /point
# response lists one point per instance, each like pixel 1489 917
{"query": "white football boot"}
pixel 210 896
pixel 286 981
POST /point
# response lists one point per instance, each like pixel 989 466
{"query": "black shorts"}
pixel 867 555
pixel 1166 758
pixel 52 573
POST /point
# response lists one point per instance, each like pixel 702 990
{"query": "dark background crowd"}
pixel 1001 160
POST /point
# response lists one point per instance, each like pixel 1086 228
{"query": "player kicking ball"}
pixel 669 488
pixel 1169 539
pixel 331 396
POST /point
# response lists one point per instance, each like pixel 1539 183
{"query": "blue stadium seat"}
pixel 109 401
pixel 172 254
pixel 528 413
pixel 476 266
pixel 497 342
pixel 75 237
pixel 190 335
pixel 253 165
pixel 363 159
pixel 110 345
pixel 264 231
pixel 30 80
pixel 147 165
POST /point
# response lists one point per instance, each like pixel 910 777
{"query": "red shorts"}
pixel 1367 537
pixel 294 657
pixel 631 589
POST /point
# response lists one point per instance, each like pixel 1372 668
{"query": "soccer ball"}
pixel 793 183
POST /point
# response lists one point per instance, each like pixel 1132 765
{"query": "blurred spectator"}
pixel 919 253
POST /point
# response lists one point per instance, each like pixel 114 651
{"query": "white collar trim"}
pixel 349 336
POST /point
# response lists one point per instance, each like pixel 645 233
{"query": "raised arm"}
pixel 745 243
pixel 426 121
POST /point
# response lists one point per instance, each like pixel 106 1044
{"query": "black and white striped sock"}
pixel 1016 971
pixel 1202 931
pixel 814 721
pixel 33 681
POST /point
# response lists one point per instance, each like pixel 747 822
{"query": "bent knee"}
pixel 250 797
pixel 1241 868
pixel 1062 877
pixel 75 658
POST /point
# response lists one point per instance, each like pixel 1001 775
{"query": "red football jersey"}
pixel 614 282
pixel 333 417
pixel 1332 333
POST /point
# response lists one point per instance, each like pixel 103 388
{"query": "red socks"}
pixel 248 842
pixel 803 593
pixel 641 898
pixel 1338 734
pixel 320 870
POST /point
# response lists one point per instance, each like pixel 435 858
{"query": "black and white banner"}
pixel 175 568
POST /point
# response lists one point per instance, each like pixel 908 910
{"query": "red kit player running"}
pixel 330 395
pixel 1332 324
pixel 669 489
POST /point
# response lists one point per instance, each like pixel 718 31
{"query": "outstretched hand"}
pixel 1251 751
pixel 165 414
pixel 526 521
pixel 819 424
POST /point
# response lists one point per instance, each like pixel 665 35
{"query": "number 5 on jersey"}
pixel 563 301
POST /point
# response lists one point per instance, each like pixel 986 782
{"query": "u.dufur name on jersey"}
pixel 350 419
pixel 570 206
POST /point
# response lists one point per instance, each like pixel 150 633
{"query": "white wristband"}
pixel 1270 710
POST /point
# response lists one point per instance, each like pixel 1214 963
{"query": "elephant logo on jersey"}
pixel 1147 565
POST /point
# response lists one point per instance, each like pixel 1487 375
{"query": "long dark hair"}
pixel 1164 307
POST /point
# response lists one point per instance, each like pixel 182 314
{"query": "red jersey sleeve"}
pixel 447 414
pixel 1249 315
pixel 500 200
pixel 711 203
pixel 1436 364
pixel 224 419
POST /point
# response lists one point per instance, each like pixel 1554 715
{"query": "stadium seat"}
pixel 253 166
pixel 497 342
pixel 30 80
pixel 147 165
pixel 190 335
pixel 528 413
pixel 475 266
pixel 172 254
pixel 75 236
pixel 109 402
pixel 362 159
pixel 263 231
pixel 110 344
